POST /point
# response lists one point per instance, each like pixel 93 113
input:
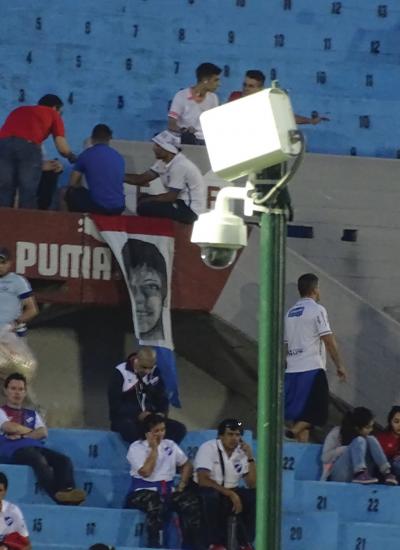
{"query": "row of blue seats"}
pixel 52 526
pixel 102 449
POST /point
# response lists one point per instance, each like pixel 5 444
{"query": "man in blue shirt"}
pixel 104 170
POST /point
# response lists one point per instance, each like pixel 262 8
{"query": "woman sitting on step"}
pixel 350 453
pixel 390 440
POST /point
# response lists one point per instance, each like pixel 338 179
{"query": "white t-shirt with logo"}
pixel 208 458
pixel 13 289
pixel 11 520
pixel 186 110
pixel 182 175
pixel 170 456
pixel 305 323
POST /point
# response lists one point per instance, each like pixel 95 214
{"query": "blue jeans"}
pixel 362 453
pixel 20 169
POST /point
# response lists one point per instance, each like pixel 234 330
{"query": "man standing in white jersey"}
pixel 307 335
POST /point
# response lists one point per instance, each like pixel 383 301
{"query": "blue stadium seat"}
pixel 373 503
pixel 83 526
pixel 303 459
pixel 368 536
pixel 107 450
pixel 310 531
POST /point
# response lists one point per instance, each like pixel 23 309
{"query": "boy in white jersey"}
pixel 13 531
pixel 307 334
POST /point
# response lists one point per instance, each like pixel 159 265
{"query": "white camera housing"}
pixel 249 134
pixel 220 235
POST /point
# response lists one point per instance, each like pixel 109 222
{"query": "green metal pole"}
pixel 270 380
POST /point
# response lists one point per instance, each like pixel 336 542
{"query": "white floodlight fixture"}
pixel 242 138
pixel 251 133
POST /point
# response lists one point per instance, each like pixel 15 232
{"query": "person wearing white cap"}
pixel 184 198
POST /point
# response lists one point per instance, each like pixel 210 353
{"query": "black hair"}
pixel 101 546
pixel 232 424
pixel 307 283
pixel 394 410
pixel 4 480
pixel 14 376
pixel 51 100
pixel 353 421
pixel 206 70
pixel 102 132
pixel 255 74
pixel 138 253
pixel 151 420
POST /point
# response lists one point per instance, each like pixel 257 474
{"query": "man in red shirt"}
pixel 21 138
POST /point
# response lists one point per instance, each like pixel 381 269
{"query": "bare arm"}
pixel 333 350
pixel 75 179
pixel 309 120
pixel 39 433
pixel 173 125
pixel 186 471
pixel 13 428
pixel 29 310
pixel 143 180
pixel 150 463
pixel 63 148
pixel 251 476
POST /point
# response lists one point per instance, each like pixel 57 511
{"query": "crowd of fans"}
pixel 207 494
pixel 96 183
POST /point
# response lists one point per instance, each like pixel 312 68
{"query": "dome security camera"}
pixel 220 235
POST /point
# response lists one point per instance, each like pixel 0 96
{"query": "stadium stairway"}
pixel 316 514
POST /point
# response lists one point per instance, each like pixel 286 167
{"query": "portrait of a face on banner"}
pixel 147 272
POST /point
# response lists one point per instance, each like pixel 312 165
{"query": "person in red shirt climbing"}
pixel 390 440
pixel 21 137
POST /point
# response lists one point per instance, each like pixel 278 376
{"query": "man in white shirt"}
pixel 154 461
pixel 307 334
pixel 220 465
pixel 185 190
pixel 12 524
pixel 189 103
pixel 17 303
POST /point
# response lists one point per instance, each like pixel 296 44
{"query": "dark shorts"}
pixel 307 397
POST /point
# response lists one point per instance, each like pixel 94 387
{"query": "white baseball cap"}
pixel 168 141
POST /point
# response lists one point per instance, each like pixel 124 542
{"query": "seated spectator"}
pixel 390 439
pixel 17 303
pixel 350 453
pixel 220 465
pixel 184 197
pixel 51 170
pixel 103 168
pixel 254 81
pixel 136 390
pixel 20 149
pixel 154 462
pixel 22 442
pixel 13 531
pixel 189 103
